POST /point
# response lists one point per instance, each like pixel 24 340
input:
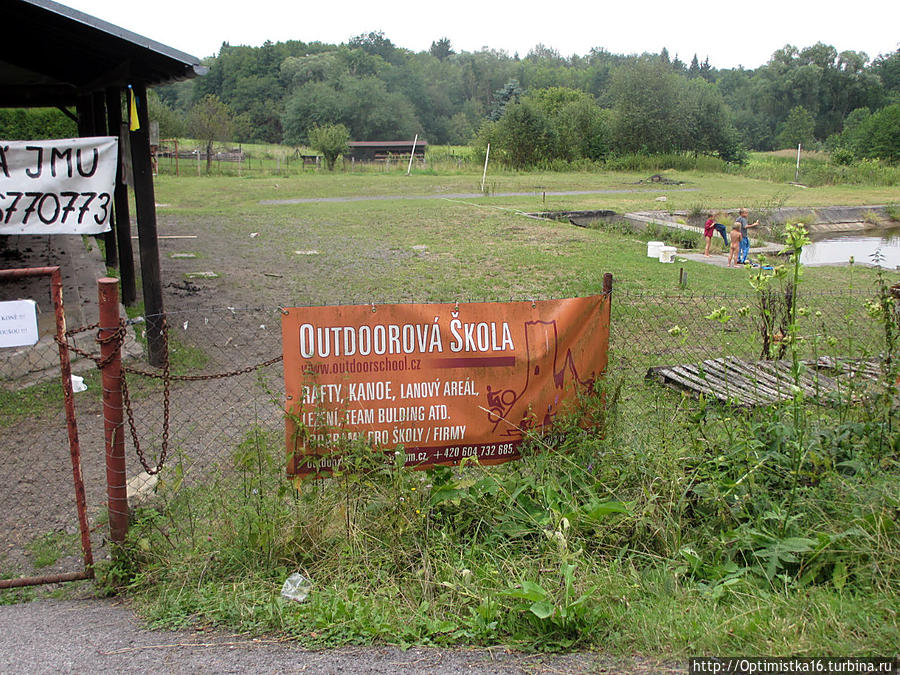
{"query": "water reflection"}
pixel 837 248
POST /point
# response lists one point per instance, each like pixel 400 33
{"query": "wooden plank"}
pixel 687 376
pixel 812 386
pixel 807 383
pixel 733 380
pixel 776 389
pixel 778 378
pixel 711 386
pixel 845 383
pixel 734 377
pixel 666 375
pixel 735 371
pixel 707 383
pixel 783 371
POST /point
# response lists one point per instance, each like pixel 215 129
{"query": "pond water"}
pixel 838 247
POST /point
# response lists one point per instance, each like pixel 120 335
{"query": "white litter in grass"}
pixel 310 252
pixel 296 587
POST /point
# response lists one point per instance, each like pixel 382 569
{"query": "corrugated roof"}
pixel 385 144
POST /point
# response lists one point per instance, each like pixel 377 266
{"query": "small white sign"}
pixel 18 323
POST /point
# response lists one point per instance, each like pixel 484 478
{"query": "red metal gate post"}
pixel 56 292
pixel 114 430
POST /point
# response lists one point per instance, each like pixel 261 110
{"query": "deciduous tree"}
pixel 798 129
pixel 331 140
pixel 210 120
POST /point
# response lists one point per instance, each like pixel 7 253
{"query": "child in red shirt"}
pixel 709 230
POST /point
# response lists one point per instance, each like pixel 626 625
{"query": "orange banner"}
pixel 444 381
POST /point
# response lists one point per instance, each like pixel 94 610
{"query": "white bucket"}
pixel 653 248
pixel 667 254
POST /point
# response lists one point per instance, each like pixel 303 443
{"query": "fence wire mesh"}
pixel 840 345
pixel 39 513
pixel 226 390
pixel 651 329
pixel 213 409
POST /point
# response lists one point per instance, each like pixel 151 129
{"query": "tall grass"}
pixel 818 172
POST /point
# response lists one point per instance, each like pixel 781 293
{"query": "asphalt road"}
pixel 103 636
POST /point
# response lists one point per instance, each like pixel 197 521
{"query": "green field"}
pixel 477 247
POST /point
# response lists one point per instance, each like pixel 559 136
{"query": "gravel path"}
pixel 464 195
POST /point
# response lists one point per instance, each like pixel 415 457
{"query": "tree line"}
pixel 568 108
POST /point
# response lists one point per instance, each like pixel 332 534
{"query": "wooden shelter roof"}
pixel 51 54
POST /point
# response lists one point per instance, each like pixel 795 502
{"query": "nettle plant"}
pixel 761 479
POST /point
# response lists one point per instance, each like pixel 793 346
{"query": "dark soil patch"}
pixel 658 179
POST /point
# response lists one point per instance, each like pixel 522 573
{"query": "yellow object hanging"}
pixel 134 122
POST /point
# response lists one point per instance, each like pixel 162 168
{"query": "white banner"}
pixel 62 186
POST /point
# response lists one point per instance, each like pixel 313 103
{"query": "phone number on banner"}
pixel 53 208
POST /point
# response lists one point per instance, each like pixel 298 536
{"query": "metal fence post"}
pixel 114 430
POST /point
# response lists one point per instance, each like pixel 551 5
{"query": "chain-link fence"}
pixel 692 342
pixel 226 376
pixel 651 329
pixel 224 379
pixel 223 386
pixel 43 514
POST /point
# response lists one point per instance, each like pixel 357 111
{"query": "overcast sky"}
pixel 730 34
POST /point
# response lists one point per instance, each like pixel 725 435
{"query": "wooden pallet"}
pixel 757 383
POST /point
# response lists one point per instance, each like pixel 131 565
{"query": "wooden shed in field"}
pixel 373 151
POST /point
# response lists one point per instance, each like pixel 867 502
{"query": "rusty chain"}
pixel 118 337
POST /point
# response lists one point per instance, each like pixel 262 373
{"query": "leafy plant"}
pixel 331 140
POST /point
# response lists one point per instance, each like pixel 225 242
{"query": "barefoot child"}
pixel 735 245
pixel 709 231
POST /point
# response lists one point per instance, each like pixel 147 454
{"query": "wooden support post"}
pixel 145 208
pixel 100 127
pixel 120 199
pixel 83 110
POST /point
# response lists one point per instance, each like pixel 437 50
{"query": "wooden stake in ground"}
pixel 412 154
